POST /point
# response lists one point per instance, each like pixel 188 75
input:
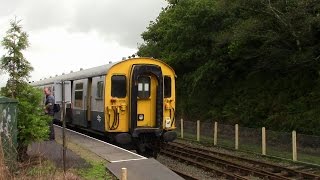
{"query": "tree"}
pixel 32 123
pixel 242 61
pixel 13 62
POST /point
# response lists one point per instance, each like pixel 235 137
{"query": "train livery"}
pixel 131 102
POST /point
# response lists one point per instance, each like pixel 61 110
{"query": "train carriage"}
pixel 132 102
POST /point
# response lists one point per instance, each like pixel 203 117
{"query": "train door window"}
pixel 118 86
pixel 144 87
pixel 53 94
pixel 167 86
pixel 99 95
pixel 78 95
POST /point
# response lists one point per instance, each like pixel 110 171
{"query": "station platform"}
pixel 145 169
pixel 138 167
pixel 107 151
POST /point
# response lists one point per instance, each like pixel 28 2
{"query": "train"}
pixel 130 102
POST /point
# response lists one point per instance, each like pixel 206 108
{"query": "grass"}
pixel 45 167
pixel 41 168
pixel 97 170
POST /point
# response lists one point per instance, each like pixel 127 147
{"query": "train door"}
pixel 97 104
pixel 79 99
pixel 146 96
pixel 146 100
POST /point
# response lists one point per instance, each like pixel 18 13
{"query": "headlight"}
pixel 140 117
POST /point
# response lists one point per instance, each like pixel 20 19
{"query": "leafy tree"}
pixel 242 61
pixel 13 62
pixel 32 123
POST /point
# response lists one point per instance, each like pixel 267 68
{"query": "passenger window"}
pixel 118 86
pixel 99 90
pixel 144 87
pixel 79 86
pixel 78 95
pixel 167 86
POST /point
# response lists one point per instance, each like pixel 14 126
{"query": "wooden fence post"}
pixel 236 138
pixel 294 146
pixel 215 134
pixel 198 130
pixel 181 128
pixel 124 174
pixel 264 141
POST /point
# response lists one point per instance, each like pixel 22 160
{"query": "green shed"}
pixel 8 130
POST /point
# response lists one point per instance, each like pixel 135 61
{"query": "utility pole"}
pixel 63 126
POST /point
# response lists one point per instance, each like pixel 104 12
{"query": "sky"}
pixel 66 35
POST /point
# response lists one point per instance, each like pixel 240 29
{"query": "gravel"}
pixel 188 169
pixel 252 156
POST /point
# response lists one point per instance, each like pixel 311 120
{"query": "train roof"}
pixel 82 74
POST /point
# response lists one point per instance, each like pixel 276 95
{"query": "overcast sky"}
pixel 68 35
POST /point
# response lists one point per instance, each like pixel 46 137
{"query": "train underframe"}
pixel 146 142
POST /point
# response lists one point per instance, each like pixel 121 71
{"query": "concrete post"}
pixel 236 138
pixel 264 141
pixel 215 134
pixel 181 128
pixel 198 130
pixel 294 146
pixel 124 174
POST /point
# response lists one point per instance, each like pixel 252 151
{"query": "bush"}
pixel 31 121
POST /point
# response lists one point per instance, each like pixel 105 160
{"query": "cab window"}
pixel 118 86
pixel 144 87
pixel 167 86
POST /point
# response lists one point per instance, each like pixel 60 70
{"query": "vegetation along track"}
pixel 205 159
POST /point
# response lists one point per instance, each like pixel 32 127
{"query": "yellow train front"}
pixel 132 102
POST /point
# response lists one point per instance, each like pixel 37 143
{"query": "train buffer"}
pixel 138 167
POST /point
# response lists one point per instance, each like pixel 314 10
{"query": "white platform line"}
pixel 128 160
pixel 141 157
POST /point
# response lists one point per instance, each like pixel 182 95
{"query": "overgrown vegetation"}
pixel 251 62
pixel 96 171
pixel 32 123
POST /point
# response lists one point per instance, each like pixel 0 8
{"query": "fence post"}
pixel 215 134
pixel 181 128
pixel 294 146
pixel 198 130
pixel 124 174
pixel 236 138
pixel 264 143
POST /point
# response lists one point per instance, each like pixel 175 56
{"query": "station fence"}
pixel 290 146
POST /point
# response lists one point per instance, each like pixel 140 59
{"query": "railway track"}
pixel 183 175
pixel 225 165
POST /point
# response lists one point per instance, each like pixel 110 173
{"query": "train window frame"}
pixel 167 92
pixel 116 93
pixel 78 90
pixel 143 93
pixel 100 90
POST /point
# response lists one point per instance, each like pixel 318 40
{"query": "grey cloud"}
pixel 115 20
pixel 41 14
pixel 121 20
pixel 8 6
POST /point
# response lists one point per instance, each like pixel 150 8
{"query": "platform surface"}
pixel 53 151
pixel 145 169
pixel 105 150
